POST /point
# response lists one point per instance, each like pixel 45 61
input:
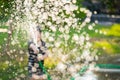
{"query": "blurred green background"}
pixel 105 35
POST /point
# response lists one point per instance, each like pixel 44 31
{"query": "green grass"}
pixel 113 31
pixel 13 69
pixel 93 32
pixel 3 35
pixel 109 42
pixel 10 72
pixel 104 38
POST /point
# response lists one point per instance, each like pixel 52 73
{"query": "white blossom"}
pixel 75 37
pixel 61 67
pixel 51 38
